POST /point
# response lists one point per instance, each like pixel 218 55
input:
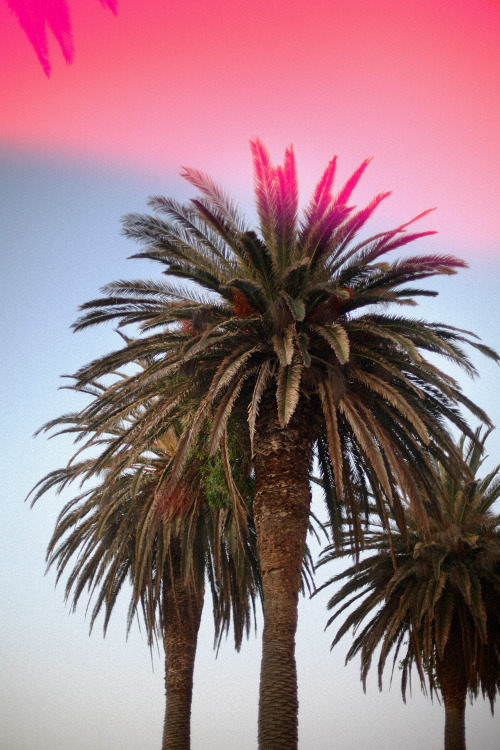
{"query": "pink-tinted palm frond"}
pixel 319 219
pixel 323 193
pixel 351 227
pixel 351 183
pixel 416 218
pixel 35 16
pixel 265 193
pixel 59 22
pixel 287 203
pixel 32 19
pixel 320 201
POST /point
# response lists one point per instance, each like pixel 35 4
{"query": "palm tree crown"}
pixel 289 313
pixel 439 610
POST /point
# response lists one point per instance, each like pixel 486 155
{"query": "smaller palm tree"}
pixel 439 608
pixel 130 527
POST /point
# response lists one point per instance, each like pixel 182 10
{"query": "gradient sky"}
pixel 413 83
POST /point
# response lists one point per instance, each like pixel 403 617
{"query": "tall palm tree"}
pixel 130 526
pixel 290 324
pixel 440 608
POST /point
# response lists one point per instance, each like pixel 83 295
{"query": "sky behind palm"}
pixel 157 86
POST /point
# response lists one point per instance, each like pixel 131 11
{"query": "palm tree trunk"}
pixel 182 607
pixel 281 511
pixel 453 682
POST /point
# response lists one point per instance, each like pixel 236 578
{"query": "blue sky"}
pixel 60 229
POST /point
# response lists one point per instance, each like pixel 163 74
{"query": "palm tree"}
pixel 440 607
pixel 288 323
pixel 131 527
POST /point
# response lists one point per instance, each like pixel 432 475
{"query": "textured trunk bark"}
pixel 281 510
pixel 182 607
pixel 453 682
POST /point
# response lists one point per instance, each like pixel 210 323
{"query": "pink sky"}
pixel 413 83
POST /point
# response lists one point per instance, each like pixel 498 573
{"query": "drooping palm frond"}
pixel 122 529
